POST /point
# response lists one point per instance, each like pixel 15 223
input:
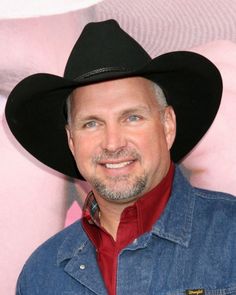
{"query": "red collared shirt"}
pixel 135 220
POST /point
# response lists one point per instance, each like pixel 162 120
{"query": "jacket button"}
pixel 82 266
pixel 135 241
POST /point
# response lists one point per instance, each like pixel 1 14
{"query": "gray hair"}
pixel 158 92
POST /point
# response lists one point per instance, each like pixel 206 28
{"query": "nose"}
pixel 113 138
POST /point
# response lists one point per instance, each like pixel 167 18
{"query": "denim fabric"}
pixel 190 250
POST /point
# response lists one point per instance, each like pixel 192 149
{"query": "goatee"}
pixel 128 192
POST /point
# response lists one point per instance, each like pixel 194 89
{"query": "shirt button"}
pixel 135 241
pixel 82 266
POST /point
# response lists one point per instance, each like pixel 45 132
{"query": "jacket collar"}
pixel 75 255
pixel 176 222
pixel 75 241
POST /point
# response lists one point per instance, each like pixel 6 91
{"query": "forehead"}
pixel 115 94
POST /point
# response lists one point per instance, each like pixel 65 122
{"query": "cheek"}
pixel 145 146
pixel 153 147
pixel 84 151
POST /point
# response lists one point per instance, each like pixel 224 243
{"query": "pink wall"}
pixel 212 164
pixel 33 198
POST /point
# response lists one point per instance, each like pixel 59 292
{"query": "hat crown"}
pixel 101 48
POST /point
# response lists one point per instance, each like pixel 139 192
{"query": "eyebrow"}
pixel 81 119
pixel 142 109
pixel 122 113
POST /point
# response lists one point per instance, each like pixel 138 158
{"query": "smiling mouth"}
pixel 117 165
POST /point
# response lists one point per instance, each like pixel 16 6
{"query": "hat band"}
pixel 101 71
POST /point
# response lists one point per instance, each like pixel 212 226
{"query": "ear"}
pixel 70 139
pixel 169 122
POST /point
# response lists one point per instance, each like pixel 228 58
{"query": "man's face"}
pixel 120 137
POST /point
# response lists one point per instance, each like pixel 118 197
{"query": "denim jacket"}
pixel 190 250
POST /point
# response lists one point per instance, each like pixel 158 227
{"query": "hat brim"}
pixel 35 110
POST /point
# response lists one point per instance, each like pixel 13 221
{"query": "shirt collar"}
pixel 91 210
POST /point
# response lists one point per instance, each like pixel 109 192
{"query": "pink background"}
pixel 33 198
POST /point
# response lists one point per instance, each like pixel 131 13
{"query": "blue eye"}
pixel 133 118
pixel 90 124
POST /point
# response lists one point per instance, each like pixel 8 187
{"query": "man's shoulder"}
pixel 215 198
pixel 50 260
pixel 63 234
pixel 55 246
pixel 212 204
pixel 201 194
pixel 217 209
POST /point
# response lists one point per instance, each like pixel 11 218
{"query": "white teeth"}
pixel 117 165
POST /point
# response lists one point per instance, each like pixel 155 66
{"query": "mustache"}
pixel 116 155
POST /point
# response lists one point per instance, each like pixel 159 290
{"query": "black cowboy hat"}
pixel 35 110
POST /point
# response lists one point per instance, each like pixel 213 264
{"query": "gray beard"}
pixel 128 193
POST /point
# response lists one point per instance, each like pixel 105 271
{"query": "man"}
pixel 126 118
